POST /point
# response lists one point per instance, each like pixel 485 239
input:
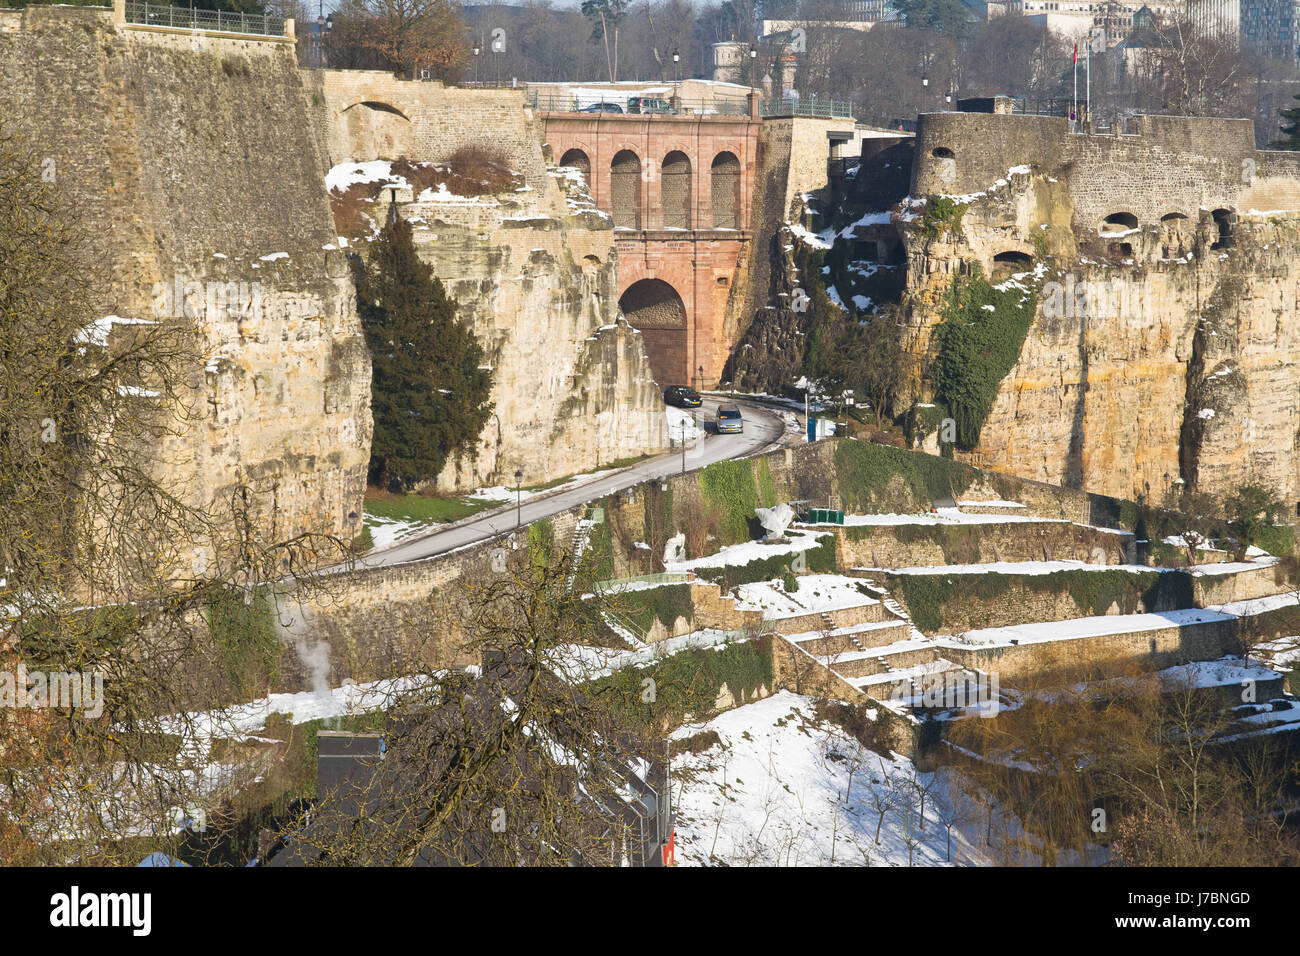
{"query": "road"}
pixel 763 429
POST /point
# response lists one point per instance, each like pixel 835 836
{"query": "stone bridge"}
pixel 680 189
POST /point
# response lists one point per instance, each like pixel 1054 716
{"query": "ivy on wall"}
pixel 866 473
pixel 1094 593
pixel 687 683
pixel 728 488
pixel 979 342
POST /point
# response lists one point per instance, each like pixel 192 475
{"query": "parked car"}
pixel 648 104
pixel 602 108
pixel 729 419
pixel 681 396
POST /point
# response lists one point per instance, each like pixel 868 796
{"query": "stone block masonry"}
pixel 187 157
pixel 534 273
pixel 1174 353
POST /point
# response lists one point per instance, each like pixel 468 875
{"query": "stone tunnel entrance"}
pixel 655 308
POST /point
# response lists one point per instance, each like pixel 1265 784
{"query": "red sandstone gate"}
pixel 679 189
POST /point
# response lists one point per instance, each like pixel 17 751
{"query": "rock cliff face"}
pixel 536 276
pixel 534 272
pixel 1166 340
pixel 189 162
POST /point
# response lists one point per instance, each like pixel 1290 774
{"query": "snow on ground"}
pixel 344 175
pixel 1019 567
pixel 785 789
pixel 386 532
pixel 682 424
pixel 817 593
pixel 946 516
pixel 199 729
pixel 1282 653
pixel 98 331
pixel 1048 567
pixel 576 663
pixel 739 554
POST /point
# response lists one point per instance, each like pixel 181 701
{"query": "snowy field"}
pixel 785 789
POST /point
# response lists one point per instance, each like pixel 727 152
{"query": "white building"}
pixel 1076 19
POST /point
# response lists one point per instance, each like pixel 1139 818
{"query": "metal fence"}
pixel 552 103
pixel 808 107
pixel 184 18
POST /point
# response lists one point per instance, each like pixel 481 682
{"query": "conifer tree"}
pixel 429 395
pixel 1291 128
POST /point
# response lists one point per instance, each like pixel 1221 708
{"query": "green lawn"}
pixel 420 508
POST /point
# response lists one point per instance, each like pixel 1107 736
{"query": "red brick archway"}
pixel 685 220
pixel 654 308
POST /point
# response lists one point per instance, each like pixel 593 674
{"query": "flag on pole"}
pixel 1076 52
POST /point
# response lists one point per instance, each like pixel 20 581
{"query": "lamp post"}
pixel 477 51
pixel 677 75
pixel 519 500
pixel 753 66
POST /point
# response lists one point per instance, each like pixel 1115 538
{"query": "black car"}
pixel 681 396
pixel 602 108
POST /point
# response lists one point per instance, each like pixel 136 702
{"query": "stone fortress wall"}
pixel 1166 344
pixel 1157 166
pixel 186 159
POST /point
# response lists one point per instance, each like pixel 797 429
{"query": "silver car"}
pixel 729 419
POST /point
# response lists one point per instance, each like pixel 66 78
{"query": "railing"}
pixel 809 107
pixel 552 103
pixel 183 18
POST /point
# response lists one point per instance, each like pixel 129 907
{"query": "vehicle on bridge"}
pixel 649 104
pixel 729 419
pixel 682 397
pixel 602 108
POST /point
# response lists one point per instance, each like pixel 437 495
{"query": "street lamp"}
pixel 477 51
pixel 677 74
pixel 519 500
pixel 753 67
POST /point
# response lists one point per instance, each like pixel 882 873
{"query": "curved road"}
pixel 763 430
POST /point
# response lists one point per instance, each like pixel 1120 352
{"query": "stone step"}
pixel 857 638
pixel 865 613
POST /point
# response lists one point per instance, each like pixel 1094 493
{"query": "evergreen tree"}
pixel 1291 127
pixel 429 396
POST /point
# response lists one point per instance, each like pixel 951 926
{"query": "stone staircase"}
pixel 881 653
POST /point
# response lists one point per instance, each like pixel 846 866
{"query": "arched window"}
pixel 725 191
pixel 625 190
pixel 1118 222
pixel 675 194
pixel 577 159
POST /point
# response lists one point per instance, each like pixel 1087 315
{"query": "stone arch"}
pixel 577 159
pixel 625 189
pixel 1173 218
pixel 379 107
pixel 1223 224
pixel 1118 222
pixel 675 190
pixel 654 307
pixel 725 191
pixel 943 152
pixel 1012 260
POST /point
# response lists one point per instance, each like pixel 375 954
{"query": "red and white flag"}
pixel 1076 52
